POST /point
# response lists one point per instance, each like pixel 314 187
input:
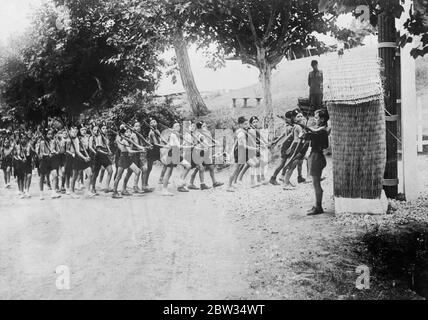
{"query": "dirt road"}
pixel 253 244
pixel 148 247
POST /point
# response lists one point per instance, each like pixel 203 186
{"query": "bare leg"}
pixel 243 171
pixel 137 179
pixel 109 170
pixel 101 174
pixel 168 172
pixel 278 169
pixel 128 175
pixel 74 178
pixel 234 175
pixel 163 173
pixel 28 182
pixel 289 174
pixel 201 170
pixel 193 177
pixel 146 174
pixel 7 175
pixel 41 185
pixel 119 173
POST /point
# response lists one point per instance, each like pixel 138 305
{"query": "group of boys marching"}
pixel 68 158
pixel 71 157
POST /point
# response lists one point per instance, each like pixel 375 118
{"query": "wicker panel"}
pixel 351 80
pixel 359 148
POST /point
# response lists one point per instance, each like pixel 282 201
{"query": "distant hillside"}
pixel 289 82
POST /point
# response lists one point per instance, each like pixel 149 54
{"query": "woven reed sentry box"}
pixel 354 97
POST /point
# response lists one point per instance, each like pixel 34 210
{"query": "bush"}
pixel 401 253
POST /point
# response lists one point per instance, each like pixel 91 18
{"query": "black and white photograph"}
pixel 216 155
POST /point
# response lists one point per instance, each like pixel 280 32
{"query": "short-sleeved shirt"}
pixel 242 138
pixel 319 139
pixel 101 142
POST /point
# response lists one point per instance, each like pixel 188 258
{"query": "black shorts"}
pixel 6 163
pixel 28 166
pixel 285 146
pixel 124 160
pixel 68 166
pixel 55 162
pixel 135 159
pixel 80 164
pixel 316 163
pixel 102 160
pixel 19 166
pixel 45 166
pixel 61 159
pixel 153 154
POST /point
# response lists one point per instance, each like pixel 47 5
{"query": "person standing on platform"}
pixel 315 83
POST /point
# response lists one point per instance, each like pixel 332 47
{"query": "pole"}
pixel 409 120
pixel 387 48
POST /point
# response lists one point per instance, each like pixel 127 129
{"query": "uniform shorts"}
pixel 6 162
pixel 80 164
pixel 124 161
pixel 45 165
pixel 102 160
pixel 153 154
pixel 19 168
pixel 316 163
pixel 68 166
pixel 55 162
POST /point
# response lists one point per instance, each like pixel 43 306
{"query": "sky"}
pixel 15 17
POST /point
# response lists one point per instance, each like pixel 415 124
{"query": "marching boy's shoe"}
pixel 116 195
pixel 137 190
pixel 165 192
pixel 148 190
pixel 182 189
pixel 192 187
pixel 300 179
pixel 315 211
pixel 55 195
pixel 204 186
pixel 218 184
pixel 125 193
pixel 74 195
pixel 273 181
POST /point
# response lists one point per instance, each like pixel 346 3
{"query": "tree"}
pixel 85 57
pixel 170 19
pixel 260 33
pixel 416 25
pixel 173 20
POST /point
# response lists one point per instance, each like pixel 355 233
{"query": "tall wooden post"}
pixel 387 48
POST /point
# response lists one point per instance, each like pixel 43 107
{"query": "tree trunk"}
pixel 265 79
pixel 196 102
